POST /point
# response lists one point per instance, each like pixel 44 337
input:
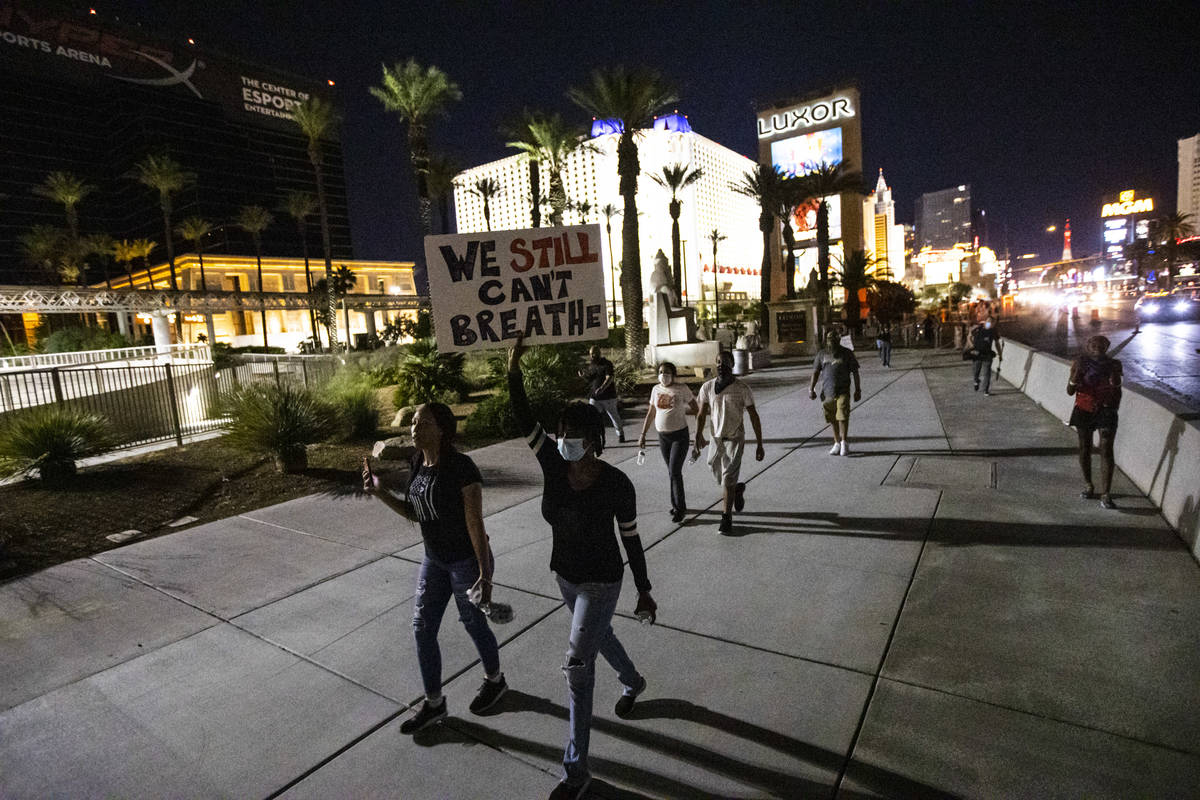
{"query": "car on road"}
pixel 1183 303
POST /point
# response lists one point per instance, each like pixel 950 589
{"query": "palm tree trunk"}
pixel 558 199
pixel 203 278
pixel 346 314
pixel 262 304
pixel 308 284
pixel 418 149
pixel 766 224
pixel 631 254
pixel 166 209
pixel 314 155
pixel 676 269
pixel 535 193
pixel 789 241
pixel 823 254
pixel 612 271
pixel 487 214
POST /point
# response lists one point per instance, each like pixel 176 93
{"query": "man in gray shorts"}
pixel 726 399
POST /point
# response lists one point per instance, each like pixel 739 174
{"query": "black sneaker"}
pixel 426 716
pixel 977 386
pixel 1107 502
pixel 677 515
pixel 489 694
pixel 726 526
pixel 625 703
pixel 565 791
pixel 739 497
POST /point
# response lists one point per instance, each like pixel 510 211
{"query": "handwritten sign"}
pixel 544 283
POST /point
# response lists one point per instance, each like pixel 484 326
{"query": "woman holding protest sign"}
pixel 445 495
pixel 582 497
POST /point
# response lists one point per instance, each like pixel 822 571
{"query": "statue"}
pixel 661 281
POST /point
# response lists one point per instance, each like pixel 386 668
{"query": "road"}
pixel 1163 357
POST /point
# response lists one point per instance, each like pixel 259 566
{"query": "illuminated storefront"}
pixel 1124 218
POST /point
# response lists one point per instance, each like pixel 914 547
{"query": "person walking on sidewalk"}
pixel 727 399
pixel 834 366
pixel 582 497
pixel 602 389
pixel 670 404
pixel 885 345
pixel 980 341
pixel 1095 381
pixel 445 495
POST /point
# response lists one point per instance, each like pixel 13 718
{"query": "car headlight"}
pixel 1182 305
pixel 1150 308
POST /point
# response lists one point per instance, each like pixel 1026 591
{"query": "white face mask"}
pixel 987 325
pixel 571 449
pixel 666 380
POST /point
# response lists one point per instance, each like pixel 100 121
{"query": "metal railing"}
pixel 155 399
pixel 175 352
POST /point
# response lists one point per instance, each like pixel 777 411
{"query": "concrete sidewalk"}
pixel 936 615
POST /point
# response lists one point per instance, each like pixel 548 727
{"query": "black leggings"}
pixel 674 447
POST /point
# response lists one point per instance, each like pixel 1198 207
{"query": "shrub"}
pixel 427 376
pixel 278 420
pixel 49 440
pixel 353 400
pixel 548 377
pixel 626 375
pixel 70 340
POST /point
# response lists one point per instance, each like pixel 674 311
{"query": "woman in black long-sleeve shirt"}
pixel 582 497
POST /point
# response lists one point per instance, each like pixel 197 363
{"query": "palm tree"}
pixel 716 237
pixel 417 94
pixel 792 193
pixel 41 247
pixel 608 211
pixel 521 132
pixel 824 180
pixel 634 97
pixel 101 246
pixel 142 248
pixel 857 273
pixel 68 190
pixel 551 142
pixel 583 208
pixel 343 281
pixel 1168 229
pixel 675 179
pixel 194 229
pixel 124 253
pixel 442 170
pixel 317 121
pixel 254 220
pixel 300 205
pixel 166 176
pixel 486 189
pixel 762 184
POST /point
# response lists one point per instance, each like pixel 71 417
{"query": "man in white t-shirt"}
pixel 726 399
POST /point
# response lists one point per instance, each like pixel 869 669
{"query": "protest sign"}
pixel 488 288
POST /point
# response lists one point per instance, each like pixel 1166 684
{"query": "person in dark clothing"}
pixel 1095 381
pixel 885 345
pixel 979 344
pixel 445 495
pixel 582 497
pixel 602 389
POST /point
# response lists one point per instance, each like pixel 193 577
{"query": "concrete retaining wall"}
pixel 1157 449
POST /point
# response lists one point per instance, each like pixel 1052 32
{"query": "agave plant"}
pixel 427 376
pixel 278 420
pixel 48 440
pixel 353 399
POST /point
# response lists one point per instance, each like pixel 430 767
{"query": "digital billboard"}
pixel 804 220
pixel 797 154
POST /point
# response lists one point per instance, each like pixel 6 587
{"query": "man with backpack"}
pixel 980 342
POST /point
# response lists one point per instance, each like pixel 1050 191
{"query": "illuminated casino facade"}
pixel 88 96
pixel 590 176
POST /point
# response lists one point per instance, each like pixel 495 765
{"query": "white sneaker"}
pixel 837 448
pixel 845 449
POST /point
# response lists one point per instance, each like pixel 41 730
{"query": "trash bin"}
pixel 741 362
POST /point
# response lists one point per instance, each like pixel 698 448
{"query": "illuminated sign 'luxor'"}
pixel 805 116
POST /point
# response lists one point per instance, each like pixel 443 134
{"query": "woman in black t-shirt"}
pixel 445 496
pixel 581 499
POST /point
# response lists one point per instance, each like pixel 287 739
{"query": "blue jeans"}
pixel 609 409
pixel 435 584
pixel 885 352
pixel 983 366
pixel 592 606
pixel 674 447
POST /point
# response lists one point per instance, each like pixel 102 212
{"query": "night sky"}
pixel 1043 108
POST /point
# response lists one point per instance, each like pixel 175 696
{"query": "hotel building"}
pixel 591 177
pixel 883 237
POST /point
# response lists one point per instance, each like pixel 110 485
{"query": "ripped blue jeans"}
pixel 592 606
pixel 436 583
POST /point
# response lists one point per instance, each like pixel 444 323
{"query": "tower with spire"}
pixel 1066 256
pixel 882 236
